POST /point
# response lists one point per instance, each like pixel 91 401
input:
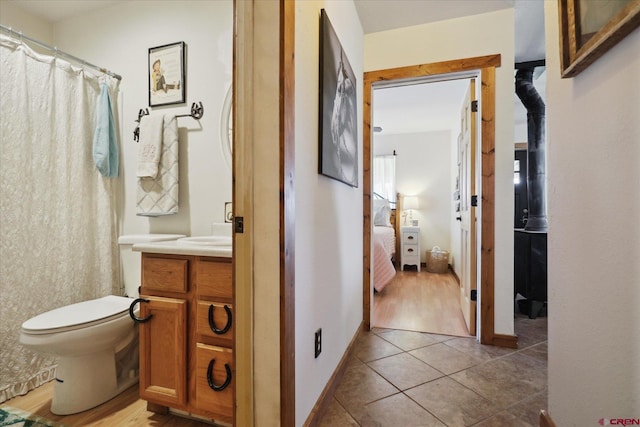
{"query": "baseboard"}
pixel 319 409
pixel 452 271
pixel 502 340
pixel 545 419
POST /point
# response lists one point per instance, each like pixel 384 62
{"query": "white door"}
pixel 467 153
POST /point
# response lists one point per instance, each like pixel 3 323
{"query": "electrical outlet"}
pixel 318 342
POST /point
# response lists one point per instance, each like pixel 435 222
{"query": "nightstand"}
pixel 410 247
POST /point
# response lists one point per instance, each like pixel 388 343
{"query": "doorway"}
pixel 485 65
pixel 419 124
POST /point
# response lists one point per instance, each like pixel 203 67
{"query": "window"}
pixel 384 177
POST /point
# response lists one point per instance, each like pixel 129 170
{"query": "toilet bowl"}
pixel 96 343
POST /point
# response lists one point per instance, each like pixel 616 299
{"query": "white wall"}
pixel 471 36
pixel 423 169
pixel 328 214
pixel 594 237
pixel 30 25
pixel 118 38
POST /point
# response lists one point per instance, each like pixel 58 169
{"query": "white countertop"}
pixel 175 248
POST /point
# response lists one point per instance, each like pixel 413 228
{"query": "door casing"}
pixel 486 66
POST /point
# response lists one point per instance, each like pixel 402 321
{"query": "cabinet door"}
pixel 163 347
pixel 215 382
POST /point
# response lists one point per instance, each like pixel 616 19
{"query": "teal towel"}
pixel 105 144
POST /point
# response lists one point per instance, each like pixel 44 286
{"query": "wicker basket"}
pixel 437 260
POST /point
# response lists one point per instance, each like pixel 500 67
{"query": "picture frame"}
pixel 588 29
pixel 167 74
pixel 338 121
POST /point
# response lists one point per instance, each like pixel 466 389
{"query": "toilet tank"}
pixel 130 261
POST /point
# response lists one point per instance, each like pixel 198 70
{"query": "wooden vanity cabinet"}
pixel 186 345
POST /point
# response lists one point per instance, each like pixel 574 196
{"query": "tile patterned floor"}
pixel 410 379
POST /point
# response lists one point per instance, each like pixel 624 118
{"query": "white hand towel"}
pixel 150 146
pixel 159 196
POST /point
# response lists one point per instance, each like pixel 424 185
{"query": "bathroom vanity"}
pixel 186 330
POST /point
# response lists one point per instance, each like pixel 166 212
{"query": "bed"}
pixel 384 242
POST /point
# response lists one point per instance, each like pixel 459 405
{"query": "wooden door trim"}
pixel 486 65
pixel 242 191
pixel 287 214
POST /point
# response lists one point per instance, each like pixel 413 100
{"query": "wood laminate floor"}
pixel 124 410
pixel 421 302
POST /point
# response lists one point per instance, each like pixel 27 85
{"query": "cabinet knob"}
pixel 409 237
pixel 132 311
pixel 227 381
pixel 212 323
pixel 410 250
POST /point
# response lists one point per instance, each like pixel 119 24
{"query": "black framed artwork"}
pixel 338 139
pixel 167 74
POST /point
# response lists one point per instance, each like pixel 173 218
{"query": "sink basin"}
pixel 206 241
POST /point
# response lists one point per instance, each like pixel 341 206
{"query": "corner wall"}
pixel 423 169
pixel 594 237
pixel 328 214
pixel 14 17
pixel 119 38
pixel 476 35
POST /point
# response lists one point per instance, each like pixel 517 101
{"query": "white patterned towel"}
pixel 150 146
pixel 159 196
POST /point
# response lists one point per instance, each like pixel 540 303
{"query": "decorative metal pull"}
pixel 410 237
pixel 409 250
pixel 210 377
pixel 212 323
pixel 132 314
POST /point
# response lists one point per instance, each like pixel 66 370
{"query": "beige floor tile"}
pixel 407 340
pixel 440 338
pixel 444 358
pixel 507 380
pixel 530 331
pixel 538 351
pixel 503 419
pixel 337 416
pixel 451 402
pixel 487 386
pixel 369 347
pixel 361 385
pixel 528 410
pixel 472 347
pixel 398 410
pixel 405 371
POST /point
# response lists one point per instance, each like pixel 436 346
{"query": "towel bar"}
pixel 197 111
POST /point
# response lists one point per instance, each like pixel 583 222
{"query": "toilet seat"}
pixel 78 316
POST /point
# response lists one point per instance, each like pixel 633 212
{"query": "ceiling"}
pixel 436 106
pixel 56 10
pixel 375 15
pixel 402 109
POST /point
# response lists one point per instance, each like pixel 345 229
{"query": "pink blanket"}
pixel 383 269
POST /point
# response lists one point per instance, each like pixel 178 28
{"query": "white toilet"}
pixel 95 341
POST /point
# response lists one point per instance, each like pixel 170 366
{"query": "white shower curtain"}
pixel 58 222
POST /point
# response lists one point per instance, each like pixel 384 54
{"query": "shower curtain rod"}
pixel 58 52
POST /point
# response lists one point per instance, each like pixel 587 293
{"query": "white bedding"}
pixel 387 236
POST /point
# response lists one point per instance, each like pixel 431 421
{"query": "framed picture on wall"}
pixel 338 121
pixel 590 28
pixel 167 74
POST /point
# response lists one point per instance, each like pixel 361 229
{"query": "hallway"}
pixel 404 378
